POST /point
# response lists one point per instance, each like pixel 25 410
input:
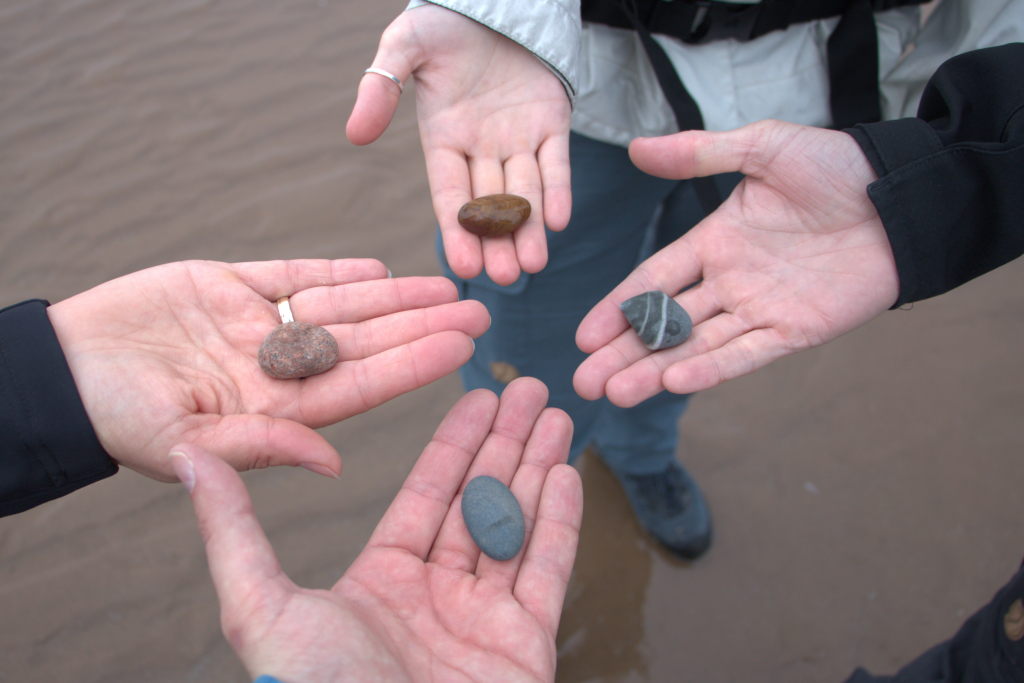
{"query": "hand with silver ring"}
pixel 492 119
pixel 168 355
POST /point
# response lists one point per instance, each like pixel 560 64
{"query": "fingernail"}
pixel 183 468
pixel 319 469
pixel 390 274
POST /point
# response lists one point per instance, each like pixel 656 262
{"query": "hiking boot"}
pixel 671 507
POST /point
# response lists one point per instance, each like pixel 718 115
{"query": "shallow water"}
pixel 866 494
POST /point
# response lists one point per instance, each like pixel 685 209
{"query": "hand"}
pixel 420 602
pixel 795 257
pixel 492 119
pixel 169 354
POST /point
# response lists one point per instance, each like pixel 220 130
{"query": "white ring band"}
pixel 285 309
pixel 386 74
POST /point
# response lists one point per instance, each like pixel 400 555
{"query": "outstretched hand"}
pixel 492 119
pixel 795 257
pixel 420 602
pixel 168 354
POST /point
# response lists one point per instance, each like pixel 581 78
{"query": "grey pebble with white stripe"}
pixel 658 319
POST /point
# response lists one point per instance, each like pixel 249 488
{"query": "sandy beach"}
pixel 866 495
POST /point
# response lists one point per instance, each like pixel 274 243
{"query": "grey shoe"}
pixel 671 507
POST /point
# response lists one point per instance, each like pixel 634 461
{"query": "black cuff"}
pixel 988 647
pixel 48 447
pixel 888 145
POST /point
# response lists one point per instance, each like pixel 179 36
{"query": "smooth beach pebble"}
pixel 658 319
pixel 493 517
pixel 294 350
pixel 494 214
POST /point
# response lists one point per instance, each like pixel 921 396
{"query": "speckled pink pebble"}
pixel 294 350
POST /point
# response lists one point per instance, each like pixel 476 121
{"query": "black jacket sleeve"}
pixel 47 444
pixel 951 181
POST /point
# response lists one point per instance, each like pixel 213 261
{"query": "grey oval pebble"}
pixel 493 517
pixel 658 319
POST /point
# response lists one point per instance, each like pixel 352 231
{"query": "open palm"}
pixel 420 602
pixel 796 256
pixel 169 354
pixel 492 119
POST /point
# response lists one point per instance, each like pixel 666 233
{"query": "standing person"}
pixel 494 114
pixel 826 231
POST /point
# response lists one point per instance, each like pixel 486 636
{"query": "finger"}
pixel 544 576
pixel 633 373
pixel 669 270
pixel 359 301
pixel 553 159
pixel 521 404
pixel 369 338
pixel 274 279
pixel 697 153
pixel 740 356
pixel 499 253
pixel 548 446
pixel 592 376
pixel 376 102
pixel 522 177
pixel 486 175
pixel 500 259
pixel 246 574
pixel 354 387
pixel 248 442
pixel 450 188
pixel 627 372
pixel 414 518
pixel 556 177
pixel 378 96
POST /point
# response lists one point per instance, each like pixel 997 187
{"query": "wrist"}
pixel 43 423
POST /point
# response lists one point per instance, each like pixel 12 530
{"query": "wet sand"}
pixel 866 495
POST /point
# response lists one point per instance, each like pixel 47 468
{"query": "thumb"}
pixel 696 153
pixel 378 95
pixel 242 563
pixel 248 442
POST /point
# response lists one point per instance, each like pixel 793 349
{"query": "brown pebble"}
pixel 294 350
pixel 504 372
pixel 494 214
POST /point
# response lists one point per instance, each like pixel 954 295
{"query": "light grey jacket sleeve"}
pixel 952 28
pixel 550 29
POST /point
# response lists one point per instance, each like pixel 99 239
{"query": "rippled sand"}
pixel 866 494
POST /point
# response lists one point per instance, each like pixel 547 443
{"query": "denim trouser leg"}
pixel 534 320
pixel 643 439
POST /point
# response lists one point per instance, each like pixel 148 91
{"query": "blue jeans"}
pixel 620 216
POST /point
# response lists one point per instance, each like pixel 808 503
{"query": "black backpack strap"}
pixel 854 95
pixel 852 48
pixel 684 107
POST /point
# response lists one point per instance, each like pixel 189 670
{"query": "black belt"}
pixel 852 47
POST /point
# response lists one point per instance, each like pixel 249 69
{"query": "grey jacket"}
pixel 781 75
